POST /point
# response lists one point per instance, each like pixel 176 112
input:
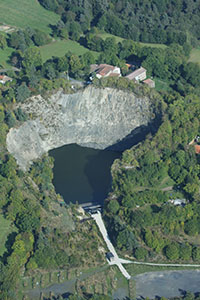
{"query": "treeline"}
pixel 23 39
pixel 152 21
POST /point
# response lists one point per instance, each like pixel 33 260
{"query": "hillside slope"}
pixel 26 13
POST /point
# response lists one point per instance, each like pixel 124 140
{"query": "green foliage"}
pixel 125 240
pixel 23 92
pixel 140 253
pixel 40 38
pixel 32 58
pixel 113 206
pixel 185 252
pixel 3 42
pixel 172 251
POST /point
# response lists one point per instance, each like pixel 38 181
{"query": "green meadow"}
pixel 119 39
pixel 61 47
pixel 4 57
pixel 24 13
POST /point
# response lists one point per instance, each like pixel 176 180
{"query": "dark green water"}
pixel 82 174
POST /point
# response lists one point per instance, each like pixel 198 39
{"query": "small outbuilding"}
pixel 110 256
pixel 149 82
pixel 138 75
pixel 4 79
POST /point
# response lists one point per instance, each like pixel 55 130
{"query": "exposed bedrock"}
pixel 92 117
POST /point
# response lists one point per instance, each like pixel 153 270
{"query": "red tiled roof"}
pixel 148 81
pixel 197 149
pixel 104 69
pixel 114 74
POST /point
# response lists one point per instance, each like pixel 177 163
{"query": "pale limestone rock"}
pixel 92 117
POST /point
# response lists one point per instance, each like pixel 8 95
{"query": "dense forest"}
pixel 154 21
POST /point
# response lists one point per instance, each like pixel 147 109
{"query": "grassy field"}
pixel 60 48
pixel 5 226
pixel 195 55
pixel 23 13
pixel 4 56
pixel 119 39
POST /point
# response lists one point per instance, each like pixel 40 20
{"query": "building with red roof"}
pixel 104 70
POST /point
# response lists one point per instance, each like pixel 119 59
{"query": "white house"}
pixel 138 75
pixel 4 79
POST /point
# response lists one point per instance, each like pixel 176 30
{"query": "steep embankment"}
pixel 93 117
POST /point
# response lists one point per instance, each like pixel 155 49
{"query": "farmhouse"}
pixel 138 75
pixel 4 79
pixel 104 70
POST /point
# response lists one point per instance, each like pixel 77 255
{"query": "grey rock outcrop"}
pixel 92 117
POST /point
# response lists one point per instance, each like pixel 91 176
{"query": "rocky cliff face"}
pixel 93 117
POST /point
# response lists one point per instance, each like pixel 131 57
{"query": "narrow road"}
pixel 119 261
pixel 116 260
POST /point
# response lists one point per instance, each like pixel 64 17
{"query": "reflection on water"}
pixel 82 174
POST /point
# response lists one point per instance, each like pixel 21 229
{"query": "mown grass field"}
pixel 4 57
pixel 119 39
pixel 61 47
pixel 195 55
pixel 5 229
pixel 23 13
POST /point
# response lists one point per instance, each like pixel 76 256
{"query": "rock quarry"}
pixel 91 117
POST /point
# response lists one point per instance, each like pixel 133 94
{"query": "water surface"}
pixel 82 174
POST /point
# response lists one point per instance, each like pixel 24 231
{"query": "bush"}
pixel 172 251
pixel 140 253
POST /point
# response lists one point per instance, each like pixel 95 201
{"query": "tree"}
pixel 172 251
pixel 191 73
pixel 32 57
pixel 3 42
pixel 196 254
pixel 126 240
pixel 191 227
pixel 27 222
pixel 40 38
pixel 113 206
pixel 140 253
pixel 23 92
pixel 185 252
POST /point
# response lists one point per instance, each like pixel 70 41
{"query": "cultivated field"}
pixel 23 13
pixel 61 47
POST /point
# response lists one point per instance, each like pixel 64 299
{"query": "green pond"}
pixel 82 174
